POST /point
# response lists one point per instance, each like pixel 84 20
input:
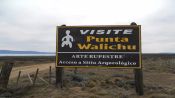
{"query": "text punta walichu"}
pixel 103 43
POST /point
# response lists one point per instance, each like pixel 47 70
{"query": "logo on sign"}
pixel 67 40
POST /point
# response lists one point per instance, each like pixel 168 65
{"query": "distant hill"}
pixel 23 52
pixel 37 52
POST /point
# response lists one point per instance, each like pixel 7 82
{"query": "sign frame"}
pixel 140 48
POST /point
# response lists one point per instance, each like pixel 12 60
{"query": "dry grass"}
pixel 103 83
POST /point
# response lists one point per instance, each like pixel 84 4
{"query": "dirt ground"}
pixel 158 73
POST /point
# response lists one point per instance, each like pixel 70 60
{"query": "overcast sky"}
pixel 31 24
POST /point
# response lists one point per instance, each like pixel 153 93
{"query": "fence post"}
pixel 50 74
pixel 19 74
pixel 5 74
pixel 35 76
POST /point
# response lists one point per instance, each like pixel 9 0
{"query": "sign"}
pixel 116 46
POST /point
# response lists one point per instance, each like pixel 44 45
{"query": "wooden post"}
pixel 59 76
pixel 35 76
pixel 138 75
pixel 19 74
pixel 135 79
pixel 5 74
pixel 139 81
pixel 59 70
pixel 50 74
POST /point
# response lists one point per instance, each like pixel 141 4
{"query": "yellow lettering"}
pixel 89 38
pixel 84 46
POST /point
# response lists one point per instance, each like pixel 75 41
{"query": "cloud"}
pixel 158 30
pixel 31 24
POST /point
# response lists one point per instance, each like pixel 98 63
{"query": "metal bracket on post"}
pixel 59 72
pixel 138 75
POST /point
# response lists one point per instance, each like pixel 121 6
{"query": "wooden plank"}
pixel 43 80
pixel 30 78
